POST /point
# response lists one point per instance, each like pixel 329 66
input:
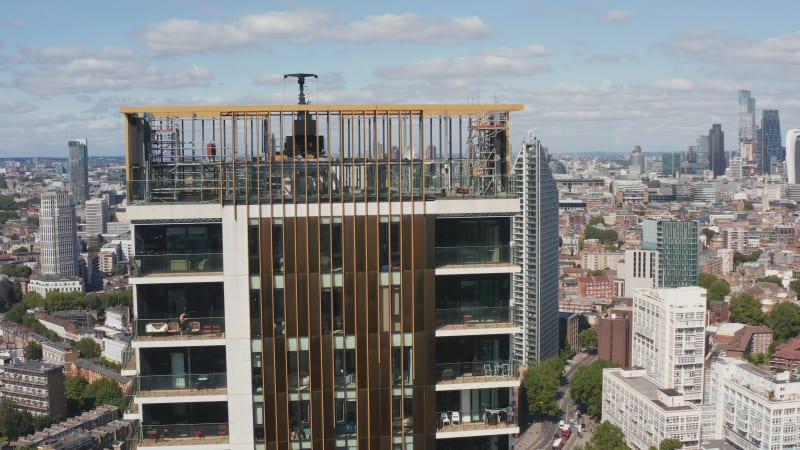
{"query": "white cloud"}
pixel 776 58
pixel 75 70
pixel 408 27
pixel 617 15
pixel 16 107
pixel 501 62
pixel 673 84
pixel 303 25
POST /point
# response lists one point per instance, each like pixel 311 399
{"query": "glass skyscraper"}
pixel 771 140
pixel 78 170
pixel 677 244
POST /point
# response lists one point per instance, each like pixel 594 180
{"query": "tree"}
pixel 541 382
pixel 607 437
pixel 757 359
pixel 93 249
pixel 771 279
pixel 33 350
pixel 597 273
pixel 586 386
pixel 119 269
pixel 748 206
pixel 670 444
pixel 74 388
pixel 785 321
pixel 102 392
pixel 596 220
pixel 708 233
pixel 13 423
pixel 588 339
pixel 717 288
pixel 16 270
pixel 739 258
pixel 795 286
pixel 746 309
pixel 20 249
pixel 88 348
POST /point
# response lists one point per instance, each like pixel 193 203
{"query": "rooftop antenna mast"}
pixel 301 81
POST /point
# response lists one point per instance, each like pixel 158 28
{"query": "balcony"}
pixel 474 254
pixel 476 372
pixel 176 263
pixel 184 434
pixel 186 384
pixel 158 329
pixel 473 317
pixel 477 422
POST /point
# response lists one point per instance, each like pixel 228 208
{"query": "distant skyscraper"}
pixel 716 150
pixel 771 140
pixel 671 163
pixel 677 244
pixel 793 156
pixel 79 170
pixel 703 160
pixel 747 125
pixel 96 216
pixel 637 161
pixel 535 237
pixel 59 235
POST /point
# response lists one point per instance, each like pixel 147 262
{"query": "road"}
pixel 540 435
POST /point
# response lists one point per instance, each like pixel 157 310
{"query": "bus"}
pixel 558 444
pixel 566 431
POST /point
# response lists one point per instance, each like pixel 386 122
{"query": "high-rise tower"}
pixel 771 140
pixel 677 244
pixel 747 125
pixel 59 252
pixel 79 170
pixel 716 150
pixel 793 156
pixel 536 251
pixel 355 302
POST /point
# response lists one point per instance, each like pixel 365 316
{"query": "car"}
pixel 560 423
pixel 573 421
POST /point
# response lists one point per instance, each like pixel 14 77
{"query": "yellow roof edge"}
pixel 425 108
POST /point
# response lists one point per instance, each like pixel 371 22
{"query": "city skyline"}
pixel 647 75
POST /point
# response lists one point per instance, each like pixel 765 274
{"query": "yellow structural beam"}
pixel 225 110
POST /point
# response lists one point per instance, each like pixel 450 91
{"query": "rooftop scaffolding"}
pixel 379 152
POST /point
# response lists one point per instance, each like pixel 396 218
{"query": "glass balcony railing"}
pixel 176 263
pixel 476 371
pixel 186 433
pixel 473 315
pixel 199 381
pixel 473 254
pixel 476 419
pixel 194 327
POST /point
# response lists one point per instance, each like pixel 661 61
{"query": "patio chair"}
pixel 445 419
pixel 455 418
pixel 173 327
pixel 194 327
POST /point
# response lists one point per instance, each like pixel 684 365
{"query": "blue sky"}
pixel 592 75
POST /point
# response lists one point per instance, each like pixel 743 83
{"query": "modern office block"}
pixel 535 240
pixel 677 244
pixel 96 216
pixel 716 151
pixel 59 251
pixel 771 140
pixel 640 270
pixel 289 298
pixel 79 170
pixel 793 156
pixel 669 337
pixel 747 126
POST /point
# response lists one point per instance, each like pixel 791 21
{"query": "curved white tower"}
pixel 792 161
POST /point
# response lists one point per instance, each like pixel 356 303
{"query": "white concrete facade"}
pixel 646 413
pixel 669 337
